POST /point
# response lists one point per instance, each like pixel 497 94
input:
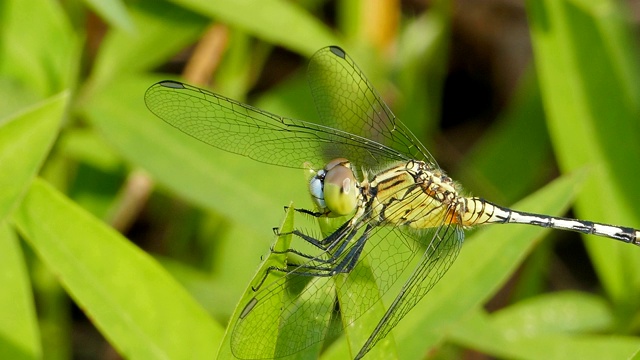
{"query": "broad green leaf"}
pixel 240 251
pixel 130 298
pixel 588 70
pixel 486 261
pixel 15 96
pixel 19 337
pixel 561 312
pixel 45 67
pixel 236 253
pixel 278 22
pixel 25 140
pixel 476 331
pixel 55 317
pixel 479 332
pixel 557 347
pixel 114 12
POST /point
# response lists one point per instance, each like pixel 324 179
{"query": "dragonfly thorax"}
pixel 334 189
pixel 416 195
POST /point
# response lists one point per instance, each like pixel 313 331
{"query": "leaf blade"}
pixel 121 288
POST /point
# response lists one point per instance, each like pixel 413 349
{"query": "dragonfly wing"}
pixel 301 310
pixel 443 245
pixel 304 316
pixel 346 100
pixel 243 129
pixel 279 321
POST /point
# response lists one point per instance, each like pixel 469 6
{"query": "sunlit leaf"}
pixel 128 296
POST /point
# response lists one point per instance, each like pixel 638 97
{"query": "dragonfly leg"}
pixel 266 273
pixel 301 254
pixel 319 267
pixel 350 260
pixel 308 212
pixel 310 239
pixel 299 269
pixel 322 244
pixel 317 243
pixel 329 269
pixel 312 213
pixel 346 263
pixel 334 244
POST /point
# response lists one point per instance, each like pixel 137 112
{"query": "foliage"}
pixel 81 155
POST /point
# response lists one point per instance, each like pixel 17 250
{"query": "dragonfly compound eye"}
pixel 340 188
pixel 316 189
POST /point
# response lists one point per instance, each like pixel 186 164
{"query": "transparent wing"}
pixel 308 316
pixel 243 129
pixel 442 250
pixel 346 100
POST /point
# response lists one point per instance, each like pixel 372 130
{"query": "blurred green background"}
pixel 122 237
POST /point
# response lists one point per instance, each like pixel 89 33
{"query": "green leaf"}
pixel 561 312
pixel 136 305
pixel 279 22
pixel 163 29
pixel 588 69
pixel 25 141
pixel 19 337
pixel 557 347
pixel 45 67
pixel 478 331
pixel 114 12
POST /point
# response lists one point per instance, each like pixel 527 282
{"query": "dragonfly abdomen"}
pixel 479 211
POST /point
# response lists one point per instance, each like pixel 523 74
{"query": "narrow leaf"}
pixel 280 22
pixel 19 337
pixel 25 141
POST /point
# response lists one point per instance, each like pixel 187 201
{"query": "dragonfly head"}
pixel 334 189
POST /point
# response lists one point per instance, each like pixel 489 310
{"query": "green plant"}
pixel 76 139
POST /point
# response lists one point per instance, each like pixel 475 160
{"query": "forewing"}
pixel 346 100
pixel 243 129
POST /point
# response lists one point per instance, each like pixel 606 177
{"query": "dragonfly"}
pixel 369 169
